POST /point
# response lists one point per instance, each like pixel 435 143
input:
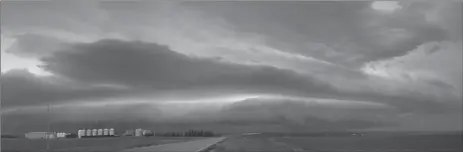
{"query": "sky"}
pixel 400 55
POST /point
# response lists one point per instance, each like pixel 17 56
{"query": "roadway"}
pixel 189 146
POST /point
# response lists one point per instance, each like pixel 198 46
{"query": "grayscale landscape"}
pixel 231 76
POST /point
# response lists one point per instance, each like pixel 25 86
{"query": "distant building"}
pixel 138 132
pixel 148 133
pixel 40 135
pixel 94 132
pixel 100 132
pixel 112 132
pixel 129 133
pixel 88 132
pixel 80 133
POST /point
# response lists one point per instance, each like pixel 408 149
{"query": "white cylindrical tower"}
pixel 94 132
pixel 81 132
pixel 112 132
pixel 100 132
pixel 138 132
pixel 89 132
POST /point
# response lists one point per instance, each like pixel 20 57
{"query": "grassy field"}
pixel 409 143
pixel 87 145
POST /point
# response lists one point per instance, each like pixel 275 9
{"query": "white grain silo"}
pixel 100 132
pixel 81 133
pixel 112 132
pixel 106 132
pixel 88 133
pixel 94 132
pixel 138 132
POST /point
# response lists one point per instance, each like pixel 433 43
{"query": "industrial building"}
pixel 138 132
pixel 40 135
pixel 45 135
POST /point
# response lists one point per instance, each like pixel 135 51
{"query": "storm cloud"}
pixel 405 57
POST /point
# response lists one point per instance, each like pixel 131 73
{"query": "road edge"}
pixel 207 148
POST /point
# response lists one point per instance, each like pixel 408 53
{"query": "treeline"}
pixel 189 133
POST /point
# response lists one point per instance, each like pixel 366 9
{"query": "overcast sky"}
pixel 401 55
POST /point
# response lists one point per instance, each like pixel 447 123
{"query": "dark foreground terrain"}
pixel 87 145
pixel 367 143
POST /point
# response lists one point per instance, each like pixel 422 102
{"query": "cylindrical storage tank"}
pixel 138 132
pixel 81 133
pixel 106 132
pixel 89 132
pixel 112 132
pixel 94 132
pixel 100 132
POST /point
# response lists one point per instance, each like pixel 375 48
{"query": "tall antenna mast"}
pixel 48 128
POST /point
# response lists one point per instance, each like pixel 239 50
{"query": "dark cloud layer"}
pixel 142 67
pixel 147 68
pixel 149 65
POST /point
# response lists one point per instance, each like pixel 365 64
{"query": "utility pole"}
pixel 48 129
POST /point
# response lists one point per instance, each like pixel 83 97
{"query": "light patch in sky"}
pixel 10 61
pixel 386 6
pixel 227 99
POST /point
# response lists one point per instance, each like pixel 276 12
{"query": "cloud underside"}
pixel 111 68
pixel 145 67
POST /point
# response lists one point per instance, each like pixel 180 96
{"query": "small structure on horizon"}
pixel 112 132
pixel 100 132
pixel 88 132
pixel 40 135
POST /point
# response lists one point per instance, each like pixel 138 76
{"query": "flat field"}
pixel 374 143
pixel 87 145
